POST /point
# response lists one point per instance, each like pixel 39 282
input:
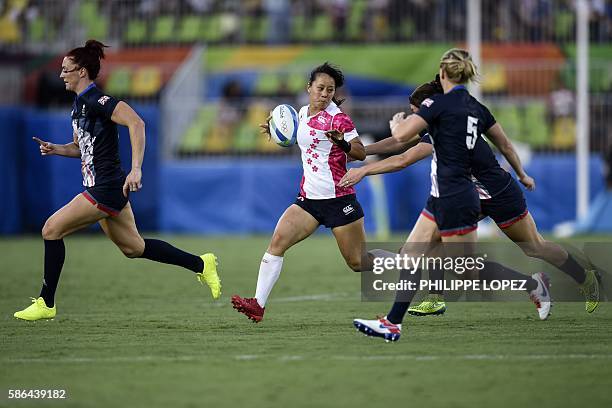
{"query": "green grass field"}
pixel 140 334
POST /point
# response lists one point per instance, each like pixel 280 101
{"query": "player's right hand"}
pixel 46 148
pixel 528 182
pixel 397 118
pixel 352 177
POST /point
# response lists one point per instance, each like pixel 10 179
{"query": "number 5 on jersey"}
pixel 472 132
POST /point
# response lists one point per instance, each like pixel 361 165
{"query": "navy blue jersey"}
pixel 456 122
pixel 425 137
pixel 97 136
pixel 488 176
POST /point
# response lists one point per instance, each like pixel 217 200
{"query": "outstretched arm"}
pixel 125 115
pixel 66 150
pixel 497 135
pixel 388 165
pixel 409 128
pixel 390 146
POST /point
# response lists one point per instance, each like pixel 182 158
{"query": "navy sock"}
pixel 436 275
pixel 403 297
pixel 161 251
pixel 55 253
pixel 495 271
pixel 573 269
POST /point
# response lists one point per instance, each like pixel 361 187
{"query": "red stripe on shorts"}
pixel 101 207
pixel 512 221
pixel 458 231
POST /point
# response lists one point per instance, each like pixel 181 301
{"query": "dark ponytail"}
pixel 334 72
pixel 427 90
pixel 89 57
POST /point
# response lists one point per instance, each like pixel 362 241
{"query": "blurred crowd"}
pixel 286 21
pixel 546 120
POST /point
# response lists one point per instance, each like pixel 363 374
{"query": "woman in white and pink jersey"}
pixel 326 137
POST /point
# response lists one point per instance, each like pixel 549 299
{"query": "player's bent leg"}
pixel 77 214
pixel 526 235
pixel 350 239
pixel 122 230
pixel 403 298
pixel 425 230
pixel 423 238
pixel 468 248
pixel 293 226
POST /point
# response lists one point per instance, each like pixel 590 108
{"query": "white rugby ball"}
pixel 284 125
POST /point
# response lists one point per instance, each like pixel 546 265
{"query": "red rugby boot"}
pixel 249 307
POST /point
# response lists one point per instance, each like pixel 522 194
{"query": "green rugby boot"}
pixel 432 305
pixel 209 275
pixel 590 290
pixel 36 311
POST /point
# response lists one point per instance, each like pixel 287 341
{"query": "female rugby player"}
pixel 95 117
pixel 326 137
pixel 500 198
pixel 470 153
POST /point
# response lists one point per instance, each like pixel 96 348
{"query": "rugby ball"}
pixel 284 125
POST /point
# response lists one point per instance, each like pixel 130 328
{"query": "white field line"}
pixel 290 358
pixel 318 297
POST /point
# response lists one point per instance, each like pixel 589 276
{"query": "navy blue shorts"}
pixel 332 212
pixel 507 207
pixel 107 197
pixel 454 215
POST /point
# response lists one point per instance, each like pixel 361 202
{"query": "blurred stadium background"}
pixel 204 73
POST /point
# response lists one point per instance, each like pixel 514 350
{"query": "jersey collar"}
pixel 458 87
pixel 92 85
pixel 331 105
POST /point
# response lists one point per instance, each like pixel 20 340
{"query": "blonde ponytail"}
pixel 458 66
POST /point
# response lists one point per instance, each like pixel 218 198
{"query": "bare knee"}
pixel 132 250
pixel 534 249
pixel 51 231
pixel 278 244
pixel 354 263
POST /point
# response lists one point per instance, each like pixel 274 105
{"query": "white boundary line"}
pixel 289 358
pixel 319 297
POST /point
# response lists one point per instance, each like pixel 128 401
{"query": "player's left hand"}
pixel 133 182
pixel 528 182
pixel 334 135
pixel 352 177
pixel 265 127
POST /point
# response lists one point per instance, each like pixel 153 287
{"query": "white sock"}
pixel 269 271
